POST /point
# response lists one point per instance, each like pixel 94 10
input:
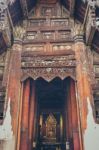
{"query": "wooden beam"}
pixel 24 8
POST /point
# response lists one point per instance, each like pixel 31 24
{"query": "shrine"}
pixel 49 75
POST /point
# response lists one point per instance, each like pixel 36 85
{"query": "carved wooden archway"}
pixel 28 113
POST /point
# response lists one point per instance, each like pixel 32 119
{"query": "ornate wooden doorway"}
pixel 49 115
pixel 57 123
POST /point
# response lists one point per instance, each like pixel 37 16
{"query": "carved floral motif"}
pixel 48 61
pixel 48 67
pixel 48 73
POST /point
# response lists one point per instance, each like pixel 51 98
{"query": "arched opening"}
pixel 49 115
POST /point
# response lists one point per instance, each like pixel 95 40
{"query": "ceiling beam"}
pixel 24 8
pixel 72 7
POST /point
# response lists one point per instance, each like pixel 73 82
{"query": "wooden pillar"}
pixel 68 112
pixel 35 120
pixel 83 84
pixel 12 81
pixel 19 119
pixel 31 114
pixel 75 128
pixel 24 143
pixel 69 116
pixel 12 75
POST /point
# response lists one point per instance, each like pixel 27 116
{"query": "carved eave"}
pixel 72 7
pixel 5 27
pixel 5 40
pixel 48 77
pixel 91 35
pixel 90 23
pixel 2 44
pixel 24 8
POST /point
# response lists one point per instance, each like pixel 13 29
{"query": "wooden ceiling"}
pixel 76 7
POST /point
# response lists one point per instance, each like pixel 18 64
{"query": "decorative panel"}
pixel 47 66
pixel 34 47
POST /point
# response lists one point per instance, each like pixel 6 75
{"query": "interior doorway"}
pixel 56 115
pixel 49 115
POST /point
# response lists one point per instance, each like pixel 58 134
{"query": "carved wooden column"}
pixel 83 84
pixel 31 114
pixel 12 81
pixel 24 141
